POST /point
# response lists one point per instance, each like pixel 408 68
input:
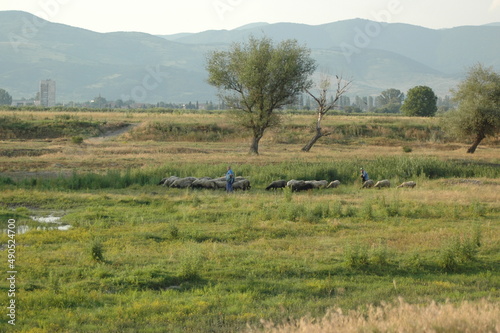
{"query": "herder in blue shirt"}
pixel 364 175
pixel 229 179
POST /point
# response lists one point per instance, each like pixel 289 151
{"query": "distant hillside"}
pixel 147 68
pixel 85 64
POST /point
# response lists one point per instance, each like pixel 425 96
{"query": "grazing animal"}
pixel 367 184
pixel 243 184
pixel 383 183
pixel 276 184
pixel 220 184
pixel 205 183
pixel 410 184
pixel 317 183
pixel 299 185
pixel 168 181
pixel 183 182
pixel 334 184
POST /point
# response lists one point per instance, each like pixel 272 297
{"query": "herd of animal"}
pixel 240 183
pixel 243 184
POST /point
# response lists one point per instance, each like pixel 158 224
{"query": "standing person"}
pixel 229 179
pixel 364 175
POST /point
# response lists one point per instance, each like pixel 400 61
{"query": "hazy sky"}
pixel 169 17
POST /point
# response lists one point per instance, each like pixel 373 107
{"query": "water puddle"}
pixel 47 219
pixel 50 222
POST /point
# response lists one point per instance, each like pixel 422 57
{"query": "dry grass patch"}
pixel 478 317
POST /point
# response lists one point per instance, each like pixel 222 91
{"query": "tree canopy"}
pixel 389 101
pixel 478 112
pixel 390 96
pixel 420 102
pixel 258 77
pixel 5 97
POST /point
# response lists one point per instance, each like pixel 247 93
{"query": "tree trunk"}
pixel 254 147
pixel 318 134
pixel 311 143
pixel 476 143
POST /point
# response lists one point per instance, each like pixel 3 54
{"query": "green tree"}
pixel 390 96
pixel 420 102
pixel 5 97
pixel 257 78
pixel 99 102
pixel 389 101
pixel 478 112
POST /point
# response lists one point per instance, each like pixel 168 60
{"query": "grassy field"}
pixel 145 258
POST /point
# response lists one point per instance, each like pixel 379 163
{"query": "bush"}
pixel 459 251
pixel 77 140
pixel 97 251
pixel 173 231
pixel 356 256
pixel 190 263
pixel 379 255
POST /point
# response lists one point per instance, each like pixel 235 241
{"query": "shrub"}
pixel 412 264
pixel 448 257
pixel 77 140
pixel 459 251
pixel 190 265
pixel 478 209
pixel 356 256
pixel 97 251
pixel 379 255
pixel 336 209
pixel 366 211
pixel 173 231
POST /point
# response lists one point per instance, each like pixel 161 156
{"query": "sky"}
pixel 164 17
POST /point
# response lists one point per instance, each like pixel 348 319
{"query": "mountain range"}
pixel 148 68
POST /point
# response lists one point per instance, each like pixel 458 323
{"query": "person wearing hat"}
pixel 229 179
pixel 364 175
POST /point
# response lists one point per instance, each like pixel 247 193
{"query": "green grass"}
pixel 61 125
pixel 145 258
pixel 396 169
pixel 186 261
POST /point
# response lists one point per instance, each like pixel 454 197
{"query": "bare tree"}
pixel 324 106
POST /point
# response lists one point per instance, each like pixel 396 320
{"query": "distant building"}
pixel 48 93
pixel 23 102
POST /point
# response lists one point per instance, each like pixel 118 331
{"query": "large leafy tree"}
pixel 420 102
pixel 478 112
pixel 389 101
pixel 5 97
pixel 390 96
pixel 257 78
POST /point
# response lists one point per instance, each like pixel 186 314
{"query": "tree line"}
pixel 258 77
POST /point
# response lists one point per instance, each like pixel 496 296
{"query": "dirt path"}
pixel 112 134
